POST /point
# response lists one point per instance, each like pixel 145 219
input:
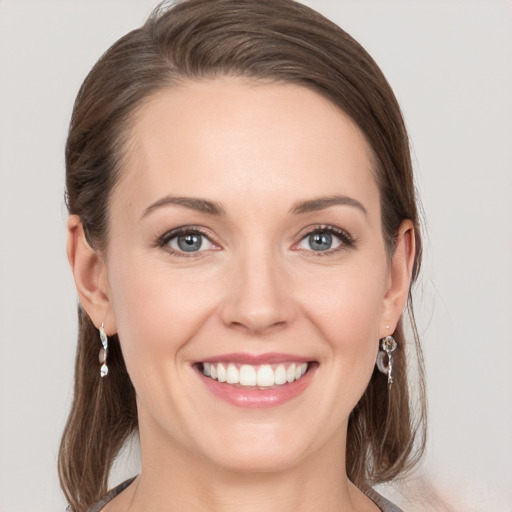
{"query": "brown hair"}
pixel 273 40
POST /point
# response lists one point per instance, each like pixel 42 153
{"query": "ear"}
pixel 399 280
pixel 89 272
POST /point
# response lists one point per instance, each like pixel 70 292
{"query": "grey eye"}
pixel 189 243
pixel 320 241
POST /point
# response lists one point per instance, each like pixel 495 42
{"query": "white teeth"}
pixel 247 375
pixel 232 374
pixel 300 370
pixel 263 376
pixel 280 376
pixel 290 373
pixel 221 373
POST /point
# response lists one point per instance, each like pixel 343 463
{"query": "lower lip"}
pixel 252 398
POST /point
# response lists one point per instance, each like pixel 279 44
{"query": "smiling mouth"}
pixel 262 376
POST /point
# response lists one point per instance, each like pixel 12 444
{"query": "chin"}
pixel 256 449
pixel 252 461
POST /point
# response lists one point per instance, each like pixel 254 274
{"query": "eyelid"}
pixel 163 241
pixel 347 240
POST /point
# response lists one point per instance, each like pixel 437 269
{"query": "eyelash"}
pixel 347 240
pixel 165 239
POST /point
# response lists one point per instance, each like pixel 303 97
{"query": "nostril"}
pixel 258 327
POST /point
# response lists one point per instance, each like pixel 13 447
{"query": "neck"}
pixel 173 480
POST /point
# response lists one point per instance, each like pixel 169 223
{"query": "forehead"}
pixel 234 138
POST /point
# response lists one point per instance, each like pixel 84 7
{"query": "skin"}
pixel 256 286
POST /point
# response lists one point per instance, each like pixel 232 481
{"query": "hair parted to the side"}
pixel 267 40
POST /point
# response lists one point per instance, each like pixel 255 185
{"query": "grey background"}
pixel 450 64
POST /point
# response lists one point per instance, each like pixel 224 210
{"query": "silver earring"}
pixel 103 352
pixel 387 345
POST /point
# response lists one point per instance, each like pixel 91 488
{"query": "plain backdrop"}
pixel 450 64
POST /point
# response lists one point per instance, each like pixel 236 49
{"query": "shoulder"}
pixel 110 496
pixel 384 504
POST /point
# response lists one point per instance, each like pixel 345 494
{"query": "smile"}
pixel 262 376
pixel 257 381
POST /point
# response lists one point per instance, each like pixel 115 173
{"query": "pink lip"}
pixel 256 359
pixel 251 397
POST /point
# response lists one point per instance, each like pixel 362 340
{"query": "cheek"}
pixel 350 300
pixel 157 312
pixel 347 309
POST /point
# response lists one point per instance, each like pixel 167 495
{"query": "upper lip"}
pixel 256 359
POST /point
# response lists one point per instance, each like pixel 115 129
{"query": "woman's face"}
pixel 245 241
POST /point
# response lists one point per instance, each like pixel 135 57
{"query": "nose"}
pixel 258 299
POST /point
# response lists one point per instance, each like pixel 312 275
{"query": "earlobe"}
pixel 89 272
pixel 402 262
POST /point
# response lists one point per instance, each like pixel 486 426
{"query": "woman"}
pixel 243 235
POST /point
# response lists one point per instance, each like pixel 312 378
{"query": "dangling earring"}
pixel 388 345
pixel 103 351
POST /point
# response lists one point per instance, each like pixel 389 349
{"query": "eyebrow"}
pixel 214 208
pixel 321 203
pixel 193 203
